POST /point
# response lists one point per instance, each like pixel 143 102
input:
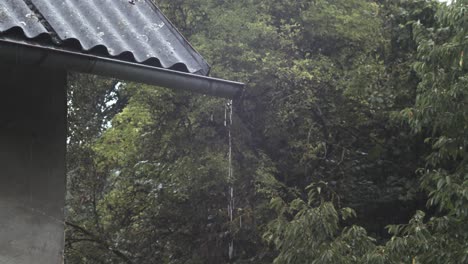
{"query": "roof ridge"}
pixel 51 31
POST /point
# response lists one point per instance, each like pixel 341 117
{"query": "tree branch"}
pixel 100 241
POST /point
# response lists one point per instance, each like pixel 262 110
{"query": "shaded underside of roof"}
pixel 128 30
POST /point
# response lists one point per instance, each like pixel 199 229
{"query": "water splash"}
pixel 231 206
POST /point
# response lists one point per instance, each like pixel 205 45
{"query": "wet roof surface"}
pixel 124 29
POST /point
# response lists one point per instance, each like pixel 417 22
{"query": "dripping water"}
pixel 228 123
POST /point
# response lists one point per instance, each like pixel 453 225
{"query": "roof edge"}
pixel 182 38
pixel 28 54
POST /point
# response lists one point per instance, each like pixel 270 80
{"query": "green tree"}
pixel 440 114
pixel 341 98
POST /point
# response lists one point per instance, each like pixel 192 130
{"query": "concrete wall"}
pixel 32 165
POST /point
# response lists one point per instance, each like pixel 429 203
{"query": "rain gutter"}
pixel 26 53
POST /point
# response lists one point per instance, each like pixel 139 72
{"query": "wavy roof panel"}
pixel 124 28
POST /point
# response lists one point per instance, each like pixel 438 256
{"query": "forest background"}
pixel 349 144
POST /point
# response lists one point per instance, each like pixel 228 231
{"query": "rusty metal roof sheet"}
pixel 124 29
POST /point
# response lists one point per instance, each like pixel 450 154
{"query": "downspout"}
pixel 29 54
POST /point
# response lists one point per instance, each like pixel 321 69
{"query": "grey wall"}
pixel 32 165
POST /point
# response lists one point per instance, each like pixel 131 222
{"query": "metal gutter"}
pixel 22 52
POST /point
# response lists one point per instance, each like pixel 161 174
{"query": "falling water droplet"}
pixel 231 250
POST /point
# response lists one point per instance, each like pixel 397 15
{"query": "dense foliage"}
pixel 349 145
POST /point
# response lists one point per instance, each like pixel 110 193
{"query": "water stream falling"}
pixel 231 208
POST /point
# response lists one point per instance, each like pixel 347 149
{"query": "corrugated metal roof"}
pixel 125 28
